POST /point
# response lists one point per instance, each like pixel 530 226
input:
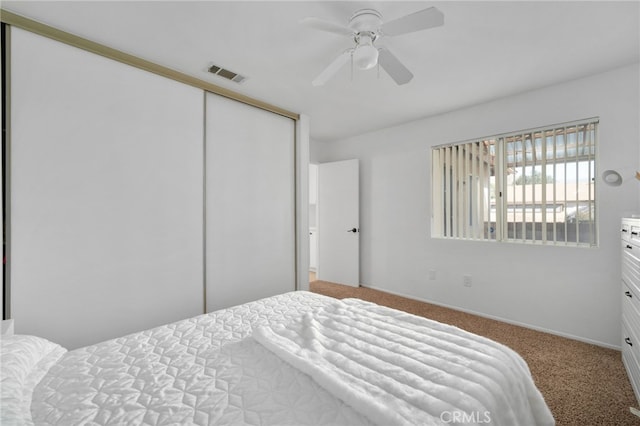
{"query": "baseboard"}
pixel 493 317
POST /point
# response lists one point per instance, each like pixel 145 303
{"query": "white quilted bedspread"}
pixel 198 371
pixel 209 370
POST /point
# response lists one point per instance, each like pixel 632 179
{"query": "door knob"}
pixel 354 230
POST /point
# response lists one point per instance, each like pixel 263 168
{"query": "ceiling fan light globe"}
pixel 365 57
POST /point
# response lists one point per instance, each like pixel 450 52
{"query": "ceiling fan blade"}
pixel 333 68
pixel 398 72
pixel 417 21
pixel 324 25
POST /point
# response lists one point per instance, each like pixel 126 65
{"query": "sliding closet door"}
pixel 250 244
pixel 106 195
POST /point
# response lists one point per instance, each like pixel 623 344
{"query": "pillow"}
pixel 24 360
pixel 7 327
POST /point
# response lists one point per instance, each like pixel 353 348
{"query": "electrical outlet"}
pixel 466 280
pixel 432 274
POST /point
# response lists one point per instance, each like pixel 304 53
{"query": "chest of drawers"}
pixel 631 300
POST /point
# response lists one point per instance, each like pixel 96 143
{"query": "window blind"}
pixel 533 186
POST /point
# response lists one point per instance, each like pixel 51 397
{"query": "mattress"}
pixel 221 368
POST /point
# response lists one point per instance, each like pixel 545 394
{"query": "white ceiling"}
pixel 484 51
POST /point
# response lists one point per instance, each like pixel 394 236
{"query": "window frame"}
pixel 472 160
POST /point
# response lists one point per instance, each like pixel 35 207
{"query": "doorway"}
pixel 313 222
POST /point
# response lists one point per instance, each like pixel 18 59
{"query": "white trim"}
pixel 302 202
pixel 497 318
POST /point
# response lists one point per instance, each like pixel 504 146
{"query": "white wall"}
pixel 569 291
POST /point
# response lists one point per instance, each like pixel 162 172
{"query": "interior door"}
pixel 338 222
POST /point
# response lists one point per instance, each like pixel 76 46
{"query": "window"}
pixel 533 186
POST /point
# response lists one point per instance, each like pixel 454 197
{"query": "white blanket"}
pixel 397 368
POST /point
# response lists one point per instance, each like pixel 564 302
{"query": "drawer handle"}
pixel 629 246
pixel 628 341
pixel 634 232
pixel 624 230
pixel 628 294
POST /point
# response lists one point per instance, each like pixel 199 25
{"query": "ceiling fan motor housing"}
pixel 366 20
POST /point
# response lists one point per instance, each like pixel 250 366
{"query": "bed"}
pixel 297 359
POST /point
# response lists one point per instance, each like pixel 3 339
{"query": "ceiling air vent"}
pixel 229 75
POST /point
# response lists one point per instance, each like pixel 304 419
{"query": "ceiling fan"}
pixel 366 27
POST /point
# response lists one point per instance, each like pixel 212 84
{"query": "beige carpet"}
pixel 583 384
